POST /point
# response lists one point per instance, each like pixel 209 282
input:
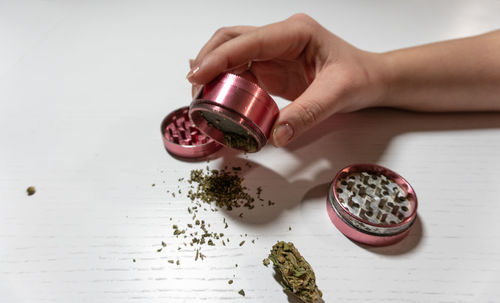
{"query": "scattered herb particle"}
pixel 242 292
pixel 266 262
pixel 171 261
pixel 242 242
pixel 31 190
pixel 230 282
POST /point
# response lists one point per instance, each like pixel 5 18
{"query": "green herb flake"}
pixel 266 262
pixel 242 292
pixel 31 190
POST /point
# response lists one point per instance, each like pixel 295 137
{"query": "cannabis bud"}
pixel 296 274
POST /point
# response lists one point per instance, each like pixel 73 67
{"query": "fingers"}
pixel 284 40
pixel 219 37
pixel 318 102
pixel 195 87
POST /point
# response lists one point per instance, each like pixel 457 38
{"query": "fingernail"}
pixel 191 63
pixel 192 72
pixel 282 134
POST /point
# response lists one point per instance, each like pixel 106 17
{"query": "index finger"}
pixel 219 37
pixel 285 40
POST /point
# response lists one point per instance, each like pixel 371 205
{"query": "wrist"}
pixel 380 70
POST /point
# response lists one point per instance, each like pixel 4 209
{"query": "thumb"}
pixel 315 104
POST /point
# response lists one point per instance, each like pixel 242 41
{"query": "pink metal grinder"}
pixel 182 139
pixel 232 107
pixel 371 204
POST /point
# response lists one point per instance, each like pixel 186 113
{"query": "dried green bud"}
pixel 242 292
pixel 296 274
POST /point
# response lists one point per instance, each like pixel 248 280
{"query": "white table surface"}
pixel 84 86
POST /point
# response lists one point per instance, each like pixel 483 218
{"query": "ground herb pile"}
pixel 221 187
pixel 237 141
pixel 210 190
pixel 297 275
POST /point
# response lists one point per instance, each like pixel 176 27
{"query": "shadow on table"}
pixel 341 140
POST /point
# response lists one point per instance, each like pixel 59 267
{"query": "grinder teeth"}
pixel 373 198
pixel 181 130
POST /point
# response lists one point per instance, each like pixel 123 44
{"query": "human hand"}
pixel 296 59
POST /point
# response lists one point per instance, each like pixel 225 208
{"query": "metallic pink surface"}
pixel 182 139
pixel 359 236
pixel 238 100
pixel 364 231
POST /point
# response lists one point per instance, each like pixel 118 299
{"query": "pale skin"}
pixel 299 60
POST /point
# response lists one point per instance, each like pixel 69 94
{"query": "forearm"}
pixel 456 75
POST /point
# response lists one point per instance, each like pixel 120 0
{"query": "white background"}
pixel 84 86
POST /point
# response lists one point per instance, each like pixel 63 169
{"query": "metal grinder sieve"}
pixel 371 204
pixel 235 112
pixel 182 139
